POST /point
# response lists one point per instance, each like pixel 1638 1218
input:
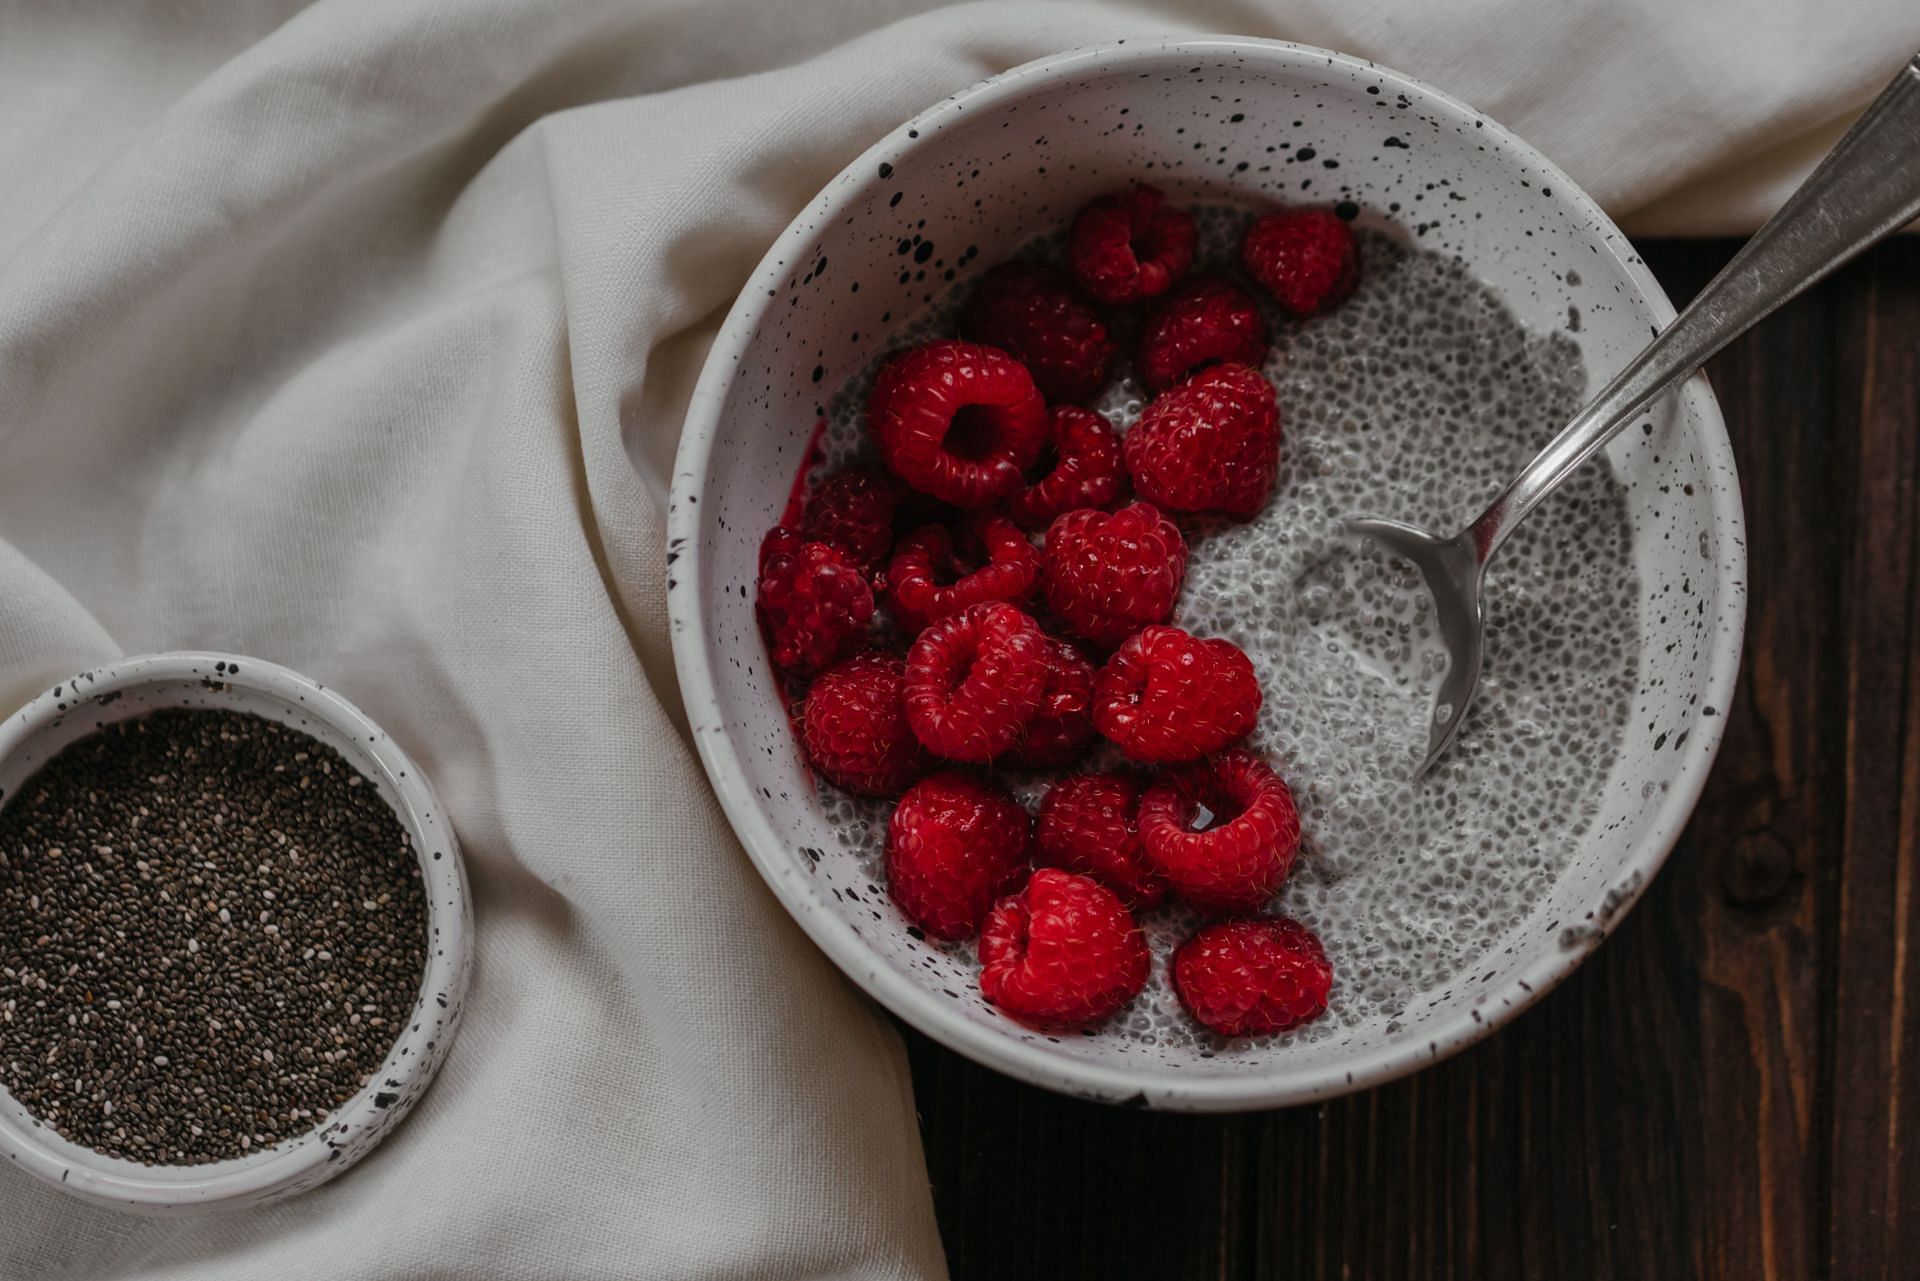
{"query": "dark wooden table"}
pixel 1730 1087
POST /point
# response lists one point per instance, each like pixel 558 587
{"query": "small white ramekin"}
pixel 134 686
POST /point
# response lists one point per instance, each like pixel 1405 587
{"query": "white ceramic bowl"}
pixel 134 686
pixel 1020 152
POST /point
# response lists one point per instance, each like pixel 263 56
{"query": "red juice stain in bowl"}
pixel 810 460
pixel 790 691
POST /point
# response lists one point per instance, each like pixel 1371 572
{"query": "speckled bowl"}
pixel 1020 152
pixel 133 686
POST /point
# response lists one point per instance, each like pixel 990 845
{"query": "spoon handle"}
pixel 1867 188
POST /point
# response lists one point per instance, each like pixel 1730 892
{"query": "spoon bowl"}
pixel 1452 574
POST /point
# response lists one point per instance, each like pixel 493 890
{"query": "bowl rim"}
pixel 692 638
pixel 102 1179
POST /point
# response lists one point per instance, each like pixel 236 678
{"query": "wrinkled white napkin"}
pixel 357 337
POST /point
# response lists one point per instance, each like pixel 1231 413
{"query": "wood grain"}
pixel 1875 1154
pixel 1730 1088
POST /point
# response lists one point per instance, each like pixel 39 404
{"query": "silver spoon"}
pixel 1867 188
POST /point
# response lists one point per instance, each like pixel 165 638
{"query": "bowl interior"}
pixel 956 191
pixel 135 687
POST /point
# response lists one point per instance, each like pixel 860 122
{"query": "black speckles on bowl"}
pixel 1209 121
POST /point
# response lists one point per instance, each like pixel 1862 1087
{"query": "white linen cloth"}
pixel 357 337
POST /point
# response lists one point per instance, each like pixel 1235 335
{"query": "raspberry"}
pixel 1089 823
pixel 1085 471
pixel 814 602
pixel 853 726
pixel 974 679
pixel 958 421
pixel 1109 575
pixel 1166 696
pixel 955 844
pixel 1033 313
pixel 1246 978
pixel 1061 729
pixel 1199 323
pixel 1129 246
pixel 1212 443
pixel 1305 258
pixel 929 578
pixel 1251 833
pixel 853 511
pixel 1062 953
pixel 916 511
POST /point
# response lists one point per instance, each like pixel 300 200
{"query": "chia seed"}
pixel 211 931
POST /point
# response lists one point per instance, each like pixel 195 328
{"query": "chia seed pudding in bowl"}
pixel 234 934
pixel 1492 295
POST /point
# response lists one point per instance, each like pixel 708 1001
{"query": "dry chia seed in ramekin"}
pixel 211 930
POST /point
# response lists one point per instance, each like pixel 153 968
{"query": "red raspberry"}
pixel 853 510
pixel 853 726
pixel 974 680
pixel 1305 258
pixel 1061 729
pixel 1251 833
pixel 1090 823
pixel 1085 472
pixel 1032 312
pixel 1246 978
pixel 955 844
pixel 958 421
pixel 930 579
pixel 1129 246
pixel 1166 696
pixel 1107 575
pixel 1210 444
pixel 814 602
pixel 1199 323
pixel 1062 953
